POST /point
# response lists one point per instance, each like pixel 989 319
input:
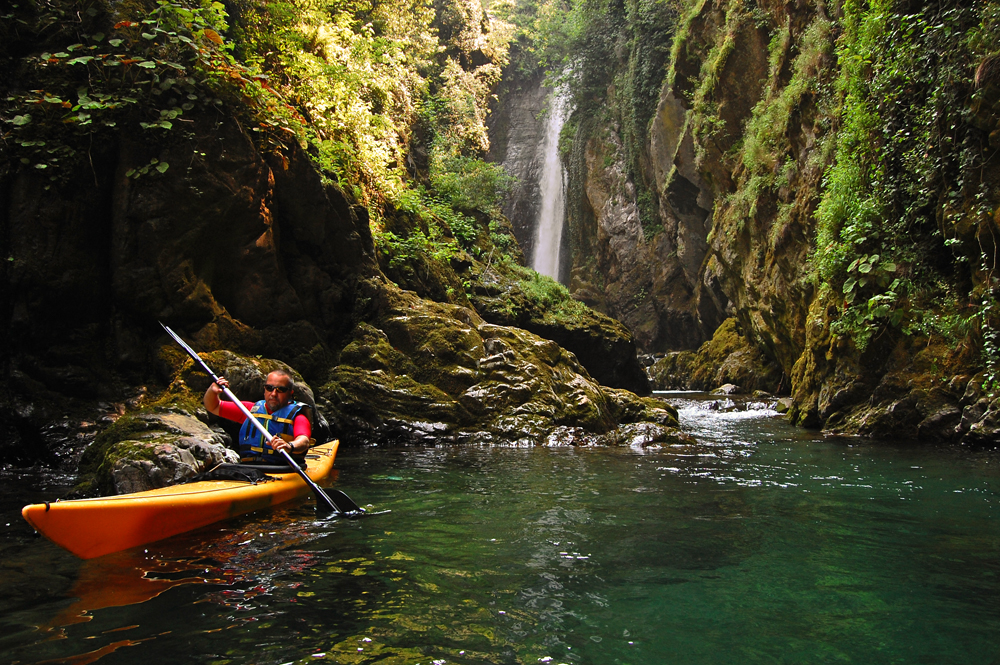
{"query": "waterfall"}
pixel 551 185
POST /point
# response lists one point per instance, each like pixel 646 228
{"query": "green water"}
pixel 761 544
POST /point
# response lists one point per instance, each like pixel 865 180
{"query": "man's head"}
pixel 278 390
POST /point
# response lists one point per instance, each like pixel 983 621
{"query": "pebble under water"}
pixel 760 544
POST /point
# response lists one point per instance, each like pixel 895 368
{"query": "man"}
pixel 278 412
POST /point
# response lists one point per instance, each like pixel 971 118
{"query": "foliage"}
pixel 908 182
pixel 349 80
pixel 764 153
pixel 150 72
pixel 469 183
pixel 541 291
pixel 545 32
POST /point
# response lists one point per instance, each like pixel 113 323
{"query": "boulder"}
pixel 151 449
pixel 425 371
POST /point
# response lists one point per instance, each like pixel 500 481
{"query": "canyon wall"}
pixel 739 197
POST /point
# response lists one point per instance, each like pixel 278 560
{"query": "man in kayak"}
pixel 278 412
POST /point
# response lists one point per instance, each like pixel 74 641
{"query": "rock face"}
pixel 651 282
pixel 714 228
pixel 517 131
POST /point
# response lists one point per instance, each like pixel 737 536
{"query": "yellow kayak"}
pixel 92 527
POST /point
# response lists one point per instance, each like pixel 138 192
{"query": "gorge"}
pixel 738 402
pixel 358 204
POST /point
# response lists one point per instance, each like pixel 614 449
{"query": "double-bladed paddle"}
pixel 348 509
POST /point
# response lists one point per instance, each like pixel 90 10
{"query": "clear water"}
pixel 761 544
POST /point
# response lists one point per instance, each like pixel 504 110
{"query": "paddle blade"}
pixel 346 505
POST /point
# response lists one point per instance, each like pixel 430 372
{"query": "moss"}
pixel 729 357
pixel 183 399
pixel 370 349
pixel 129 437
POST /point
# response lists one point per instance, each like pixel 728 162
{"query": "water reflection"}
pixel 758 543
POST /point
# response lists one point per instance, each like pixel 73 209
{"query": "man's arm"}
pixel 211 399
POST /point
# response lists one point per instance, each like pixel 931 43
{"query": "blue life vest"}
pixel 253 446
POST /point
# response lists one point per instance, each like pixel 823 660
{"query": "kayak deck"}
pixel 92 527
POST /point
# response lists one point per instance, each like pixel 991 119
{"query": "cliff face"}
pixel 650 281
pixel 233 248
pixel 851 237
pixel 517 135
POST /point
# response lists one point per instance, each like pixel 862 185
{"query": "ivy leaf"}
pixel 115 42
pixel 82 60
pixel 162 167
pixel 146 35
pixel 148 64
pixel 20 120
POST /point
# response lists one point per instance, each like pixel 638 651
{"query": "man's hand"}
pixel 299 443
pixel 279 444
pixel 211 399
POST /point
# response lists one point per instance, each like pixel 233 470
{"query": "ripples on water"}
pixel 759 544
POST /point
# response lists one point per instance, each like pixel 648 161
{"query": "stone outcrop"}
pixel 423 371
pixel 727 358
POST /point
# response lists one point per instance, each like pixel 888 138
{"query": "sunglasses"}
pixel 281 389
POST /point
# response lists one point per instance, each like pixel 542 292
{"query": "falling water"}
pixel 552 184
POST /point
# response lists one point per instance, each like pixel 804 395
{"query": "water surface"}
pixel 760 544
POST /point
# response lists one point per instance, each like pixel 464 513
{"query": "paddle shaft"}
pixel 317 490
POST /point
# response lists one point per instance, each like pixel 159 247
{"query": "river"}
pixel 761 544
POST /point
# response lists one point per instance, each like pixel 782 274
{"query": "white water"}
pixel 552 186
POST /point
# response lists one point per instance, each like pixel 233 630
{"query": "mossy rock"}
pixel 425 371
pixel 152 441
pixel 172 437
pixel 727 358
pixel 673 371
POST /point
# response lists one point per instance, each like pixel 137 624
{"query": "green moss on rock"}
pixel 727 358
